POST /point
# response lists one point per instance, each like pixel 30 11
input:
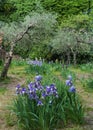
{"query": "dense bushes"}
pixel 22 8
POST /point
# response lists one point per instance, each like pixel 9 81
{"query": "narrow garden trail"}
pixel 87 98
pixel 5 100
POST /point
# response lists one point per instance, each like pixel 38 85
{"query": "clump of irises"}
pixel 35 62
pixel 44 107
pixel 36 91
pixel 69 83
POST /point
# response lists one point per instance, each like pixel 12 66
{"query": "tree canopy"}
pixel 69 15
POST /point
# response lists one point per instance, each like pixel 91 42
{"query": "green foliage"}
pixel 43 29
pixel 6 9
pixel 78 22
pixel 35 69
pixel 72 15
pixel 6 80
pixel 65 8
pixel 66 72
pixel 23 8
pixel 69 41
pixel 16 10
pixel 19 62
pixel 1 62
pixel 89 83
pixel 87 67
pixel 75 110
pixel 40 50
pixel 67 107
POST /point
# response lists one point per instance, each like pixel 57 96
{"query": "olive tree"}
pixel 35 27
pixel 71 42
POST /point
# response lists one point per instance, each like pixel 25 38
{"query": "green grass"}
pixel 7 80
pixel 87 84
pixel 3 90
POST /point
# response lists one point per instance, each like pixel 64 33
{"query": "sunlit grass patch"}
pixel 88 84
pixel 18 62
pixel 6 80
pixel 86 67
pixel 3 90
pixel 74 128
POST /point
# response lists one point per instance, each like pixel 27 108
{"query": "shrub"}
pixel 18 62
pixel 87 67
pixel 88 84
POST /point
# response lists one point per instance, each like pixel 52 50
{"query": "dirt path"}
pixel 87 98
pixel 5 99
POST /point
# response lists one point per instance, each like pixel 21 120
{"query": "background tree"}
pixel 71 16
pixel 70 43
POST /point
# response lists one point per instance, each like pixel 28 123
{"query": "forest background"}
pixel 64 30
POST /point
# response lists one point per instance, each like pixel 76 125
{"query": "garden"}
pixel 46 65
pixel 39 95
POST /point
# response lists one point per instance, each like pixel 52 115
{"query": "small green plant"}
pixel 86 67
pixel 3 90
pixel 88 84
pixel 36 67
pixel 20 62
pixel 6 80
pixel 66 72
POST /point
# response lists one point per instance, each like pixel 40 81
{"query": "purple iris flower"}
pixel 51 90
pixel 35 62
pixel 38 78
pixel 52 86
pixel 68 82
pixel 39 103
pixel 23 91
pixel 30 85
pixel 36 91
pixel 40 63
pixel 18 86
pixel 18 89
pixel 55 93
pixel 48 90
pixel 43 95
pixel 72 89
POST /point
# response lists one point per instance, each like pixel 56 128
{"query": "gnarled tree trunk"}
pixel 74 59
pixel 9 58
pixel 6 67
pixel 2 54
